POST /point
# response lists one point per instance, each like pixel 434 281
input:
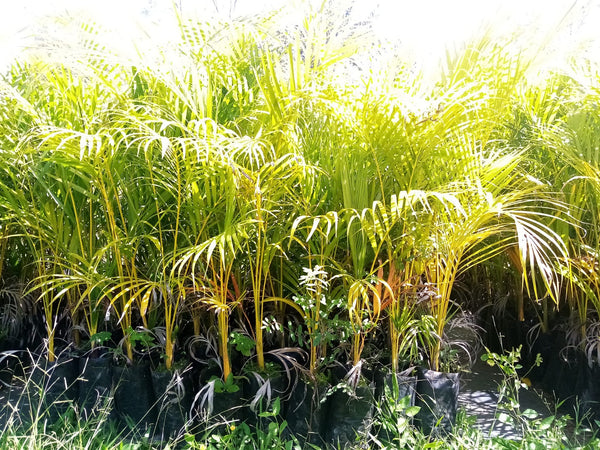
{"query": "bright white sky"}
pixel 426 27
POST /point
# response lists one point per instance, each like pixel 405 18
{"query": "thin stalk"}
pixel 124 309
pixel 223 317
pixel 358 343
pixel 445 274
pixel 196 324
pixel 223 324
pixel 545 315
pixel 258 281
pixel 170 306
pixel 3 247
pixel 394 344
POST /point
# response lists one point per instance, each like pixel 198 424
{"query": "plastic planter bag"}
pixel 54 384
pixel 134 397
pixel 437 396
pixel 95 383
pixel 349 415
pixel 305 413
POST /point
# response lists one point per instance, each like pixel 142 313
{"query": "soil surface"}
pixel 479 394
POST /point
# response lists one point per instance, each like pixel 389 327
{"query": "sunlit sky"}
pixel 426 27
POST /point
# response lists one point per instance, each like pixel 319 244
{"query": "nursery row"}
pixel 88 400
pixel 243 190
pixel 170 404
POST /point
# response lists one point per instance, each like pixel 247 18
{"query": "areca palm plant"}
pixel 482 232
pixel 560 118
pixel 215 257
pixel 54 182
pixel 468 182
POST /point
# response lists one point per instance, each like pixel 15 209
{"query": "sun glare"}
pixel 424 30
